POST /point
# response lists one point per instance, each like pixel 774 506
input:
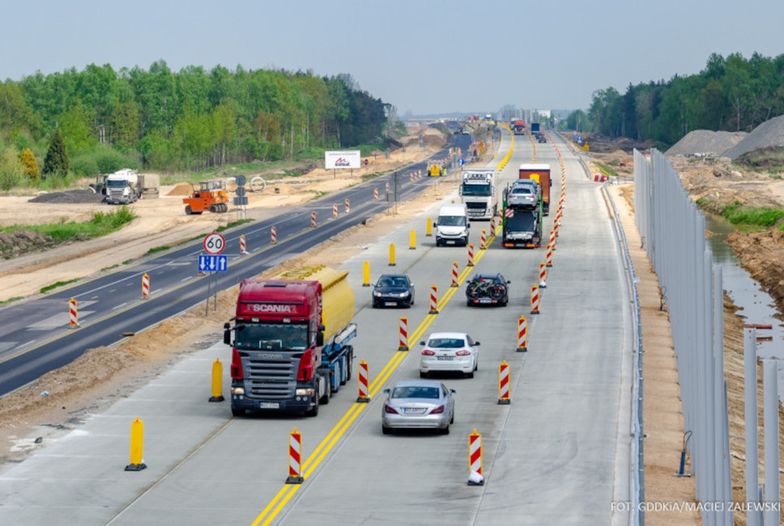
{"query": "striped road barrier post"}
pixel 403 334
pixel 295 458
pixel 475 476
pixel 347 205
pixel 73 313
pixel 313 219
pixel 433 299
pixel 483 239
pixel 273 235
pixel 145 286
pixel 542 275
pixel 535 299
pixel 243 245
pixel 335 211
pixel 503 384
pixel 470 254
pixel 375 194
pixel 549 255
pixel 522 334
pixel 455 275
pixel 363 397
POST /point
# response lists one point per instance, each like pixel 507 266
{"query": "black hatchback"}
pixel 393 290
pixel 487 289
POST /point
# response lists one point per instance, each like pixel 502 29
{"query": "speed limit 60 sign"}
pixel 214 243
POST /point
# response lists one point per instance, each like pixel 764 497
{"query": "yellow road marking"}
pixel 284 495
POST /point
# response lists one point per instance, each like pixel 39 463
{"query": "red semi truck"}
pixel 541 174
pixel 518 127
pixel 290 349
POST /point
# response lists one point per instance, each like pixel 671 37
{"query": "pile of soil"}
pixel 700 142
pixel 16 243
pixel 769 134
pixel 69 196
pixel 181 189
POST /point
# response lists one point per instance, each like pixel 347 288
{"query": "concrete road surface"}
pixel 556 455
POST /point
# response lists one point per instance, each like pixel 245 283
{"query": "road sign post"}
pixel 213 262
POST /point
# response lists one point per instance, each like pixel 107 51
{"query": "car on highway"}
pixel 533 185
pixel 449 352
pixel 522 195
pixel 418 404
pixel 393 290
pixel 487 289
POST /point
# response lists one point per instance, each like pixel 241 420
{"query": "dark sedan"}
pixel 487 289
pixel 393 290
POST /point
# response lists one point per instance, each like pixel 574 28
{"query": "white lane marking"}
pixel 27 343
pixel 121 305
pixel 186 279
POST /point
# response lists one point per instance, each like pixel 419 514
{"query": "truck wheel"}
pixel 237 412
pixel 327 388
pixel 344 370
pixel 188 210
pixel 313 412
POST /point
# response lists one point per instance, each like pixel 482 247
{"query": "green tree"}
pixel 29 164
pixel 11 169
pixel 56 161
pixel 75 127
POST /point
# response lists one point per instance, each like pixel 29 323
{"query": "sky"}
pixel 423 56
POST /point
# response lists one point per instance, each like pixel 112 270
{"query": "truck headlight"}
pixel 238 390
pixel 305 392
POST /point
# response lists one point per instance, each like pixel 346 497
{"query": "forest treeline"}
pixel 732 94
pixel 182 120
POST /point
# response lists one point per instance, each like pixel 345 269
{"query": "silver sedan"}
pixel 418 404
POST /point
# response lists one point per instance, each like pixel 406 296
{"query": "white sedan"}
pixel 449 351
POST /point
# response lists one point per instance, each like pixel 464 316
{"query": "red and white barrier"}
pixel 313 218
pixel 243 245
pixel 347 205
pixel 522 334
pixel 363 383
pixel 433 299
pixel 475 477
pixel 455 275
pixel 470 254
pixel 503 384
pixel 295 458
pixel 73 313
pixel 411 177
pixel 403 334
pixel 335 211
pixel 375 194
pixel 535 299
pixel 386 187
pixel 542 275
pixel 145 286
pixel 483 240
pixel 548 258
pixel 274 235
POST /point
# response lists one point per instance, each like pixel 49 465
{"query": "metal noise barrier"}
pixel 673 234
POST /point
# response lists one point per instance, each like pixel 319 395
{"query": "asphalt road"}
pixel 554 456
pixel 34 337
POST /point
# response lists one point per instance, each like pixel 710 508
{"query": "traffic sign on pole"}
pixel 213 263
pixel 214 243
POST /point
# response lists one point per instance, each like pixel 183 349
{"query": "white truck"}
pixel 127 186
pixel 479 194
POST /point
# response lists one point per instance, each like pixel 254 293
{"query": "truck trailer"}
pixel 127 186
pixel 522 222
pixel 541 174
pixel 479 194
pixel 291 348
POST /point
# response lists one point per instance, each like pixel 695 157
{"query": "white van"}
pixel 452 225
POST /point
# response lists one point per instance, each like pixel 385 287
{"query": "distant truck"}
pixel 127 186
pixel 541 174
pixel 291 349
pixel 521 223
pixel 535 127
pixel 479 194
pixel 518 127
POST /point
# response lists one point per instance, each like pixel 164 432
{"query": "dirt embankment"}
pixel 762 255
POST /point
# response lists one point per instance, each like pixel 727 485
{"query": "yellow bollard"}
pixel 429 227
pixel 412 240
pixel 217 381
pixel 391 254
pixel 366 273
pixel 137 446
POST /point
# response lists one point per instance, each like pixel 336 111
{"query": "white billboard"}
pixel 342 159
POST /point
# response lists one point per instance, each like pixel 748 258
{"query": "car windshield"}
pixel 397 282
pixel 446 343
pixel 521 221
pixel 116 183
pixel 482 190
pixel 271 336
pixel 415 391
pixel 521 190
pixel 485 279
pixel 451 221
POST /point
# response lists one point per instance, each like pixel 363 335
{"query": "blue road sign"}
pixel 461 162
pixel 213 263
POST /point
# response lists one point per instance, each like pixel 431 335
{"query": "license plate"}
pixel 389 303
pixel 269 405
pixel 413 410
pixel 484 300
pixel 444 357
pixel 450 241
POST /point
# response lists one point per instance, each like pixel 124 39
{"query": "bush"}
pixel 11 169
pixel 102 160
pixel 746 215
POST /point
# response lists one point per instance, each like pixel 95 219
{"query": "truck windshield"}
pixel 271 337
pixel 116 183
pixel 483 190
pixel 521 221
pixel 451 221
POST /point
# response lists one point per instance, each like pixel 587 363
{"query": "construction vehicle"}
pixel 541 174
pixel 434 169
pixel 522 221
pixel 291 349
pixel 478 194
pixel 127 186
pixel 211 195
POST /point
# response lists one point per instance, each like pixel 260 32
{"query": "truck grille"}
pixel 483 206
pixel 267 378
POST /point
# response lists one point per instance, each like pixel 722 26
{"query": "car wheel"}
pixel 445 431
pixel 423 374
pixel 469 375
pixel 452 420
pixel 237 412
pixel 385 430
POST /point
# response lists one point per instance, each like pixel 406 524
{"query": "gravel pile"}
pixel 700 142
pixel 70 196
pixel 13 244
pixel 769 134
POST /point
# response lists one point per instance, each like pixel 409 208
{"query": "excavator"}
pixel 210 195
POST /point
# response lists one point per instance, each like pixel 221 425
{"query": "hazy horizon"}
pixel 424 57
